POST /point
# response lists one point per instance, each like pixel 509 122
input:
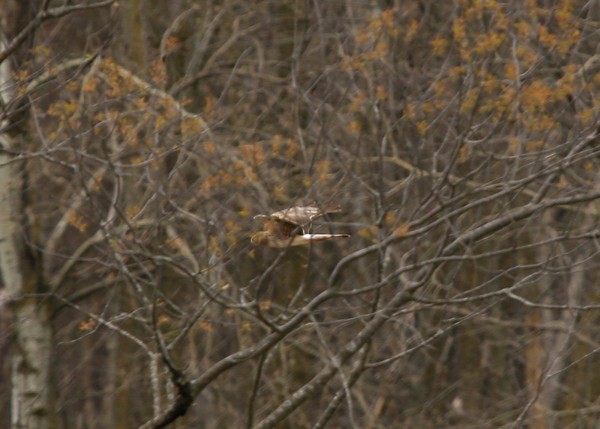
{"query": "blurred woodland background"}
pixel 139 138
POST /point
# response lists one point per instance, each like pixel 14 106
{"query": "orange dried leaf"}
pixel 230 225
pixel 132 211
pixel 411 31
pixel 292 148
pixel 411 110
pixel 354 127
pixel 206 326
pixel 402 230
pixel 534 145
pixel 387 17
pixel 88 325
pixel 369 233
pixel 357 101
pixel 76 220
pixel 390 218
pixel 171 42
pixel 158 72
pixel 463 154
pixel 439 45
pixel 276 143
pixel 209 147
pixel 458 30
pixel 363 36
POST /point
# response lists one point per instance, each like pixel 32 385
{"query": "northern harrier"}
pixel 291 227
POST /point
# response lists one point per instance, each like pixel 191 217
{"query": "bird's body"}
pixel 291 227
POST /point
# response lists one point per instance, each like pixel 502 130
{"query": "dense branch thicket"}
pixel 461 140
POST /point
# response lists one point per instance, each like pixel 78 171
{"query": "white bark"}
pixel 31 354
pixel 30 366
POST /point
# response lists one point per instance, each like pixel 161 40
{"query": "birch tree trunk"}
pixel 30 362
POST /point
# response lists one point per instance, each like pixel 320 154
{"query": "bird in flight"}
pixel 291 227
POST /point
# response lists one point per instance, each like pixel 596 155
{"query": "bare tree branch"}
pixel 43 15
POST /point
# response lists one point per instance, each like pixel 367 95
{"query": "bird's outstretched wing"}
pixel 290 227
pixel 303 216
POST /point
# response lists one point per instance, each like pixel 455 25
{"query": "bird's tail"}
pixel 332 209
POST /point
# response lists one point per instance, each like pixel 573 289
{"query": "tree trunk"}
pixel 31 354
pixel 134 34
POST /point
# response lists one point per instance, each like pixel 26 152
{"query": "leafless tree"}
pixel 459 138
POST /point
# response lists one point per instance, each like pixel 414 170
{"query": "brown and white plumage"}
pixel 291 227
